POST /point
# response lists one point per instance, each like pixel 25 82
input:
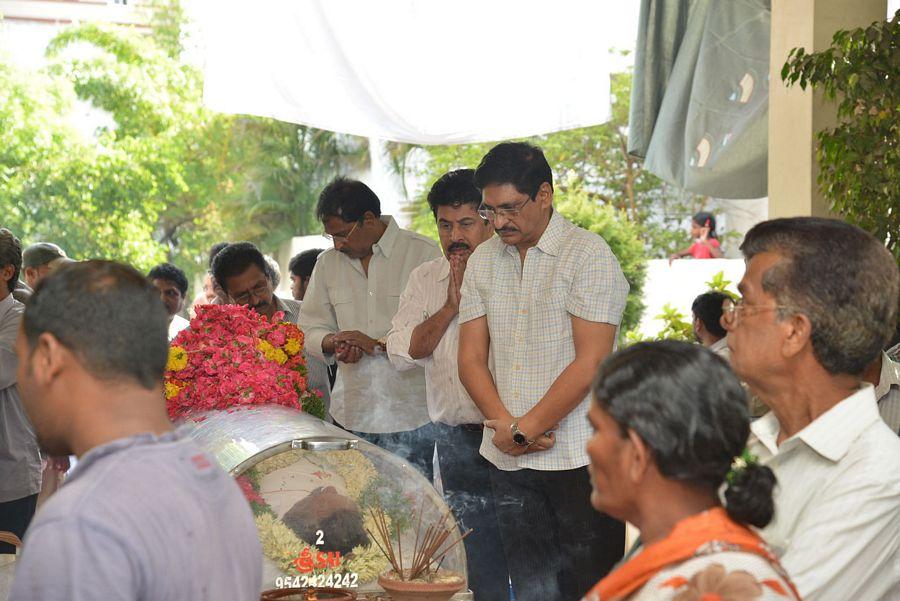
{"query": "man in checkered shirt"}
pixel 540 308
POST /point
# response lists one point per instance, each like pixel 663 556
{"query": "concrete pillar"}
pixel 796 115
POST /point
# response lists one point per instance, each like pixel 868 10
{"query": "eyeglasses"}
pixel 343 237
pixel 732 309
pixel 508 213
pixel 257 292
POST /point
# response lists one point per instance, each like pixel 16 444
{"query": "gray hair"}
pixel 274 271
pixel 10 254
pixel 837 275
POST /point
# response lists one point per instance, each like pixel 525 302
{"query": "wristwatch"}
pixel 518 436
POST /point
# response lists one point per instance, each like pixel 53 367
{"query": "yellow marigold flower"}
pixel 279 356
pixel 172 389
pixel 293 346
pixel 178 358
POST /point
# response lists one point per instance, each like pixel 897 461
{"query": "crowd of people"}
pixel 495 351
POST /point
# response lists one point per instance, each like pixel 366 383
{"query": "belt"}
pixel 471 427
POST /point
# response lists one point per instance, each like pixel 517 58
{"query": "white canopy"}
pixel 418 71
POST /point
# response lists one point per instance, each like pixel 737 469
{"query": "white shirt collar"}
pixel 831 434
pixel 719 345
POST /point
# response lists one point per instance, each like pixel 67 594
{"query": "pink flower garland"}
pixel 231 356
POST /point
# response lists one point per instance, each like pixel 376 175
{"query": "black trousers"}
pixel 557 546
pixel 15 516
pixel 467 488
pixel 415 446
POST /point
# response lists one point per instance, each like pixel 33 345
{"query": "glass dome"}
pixel 317 494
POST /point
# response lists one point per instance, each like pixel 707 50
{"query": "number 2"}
pixel 320 538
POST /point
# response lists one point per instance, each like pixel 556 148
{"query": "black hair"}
pixel 691 411
pixel 348 199
pixel 454 189
pixel 234 260
pixel 302 264
pixel 708 309
pixel 108 315
pixel 706 219
pixel 167 271
pixel 10 254
pixel 837 275
pixel 214 250
pixel 517 163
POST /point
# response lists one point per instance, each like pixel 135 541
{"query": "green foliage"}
pixel 718 283
pixel 859 159
pixel 622 237
pixel 168 178
pixel 675 327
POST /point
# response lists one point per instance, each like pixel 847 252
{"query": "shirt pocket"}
pixel 550 322
pixel 344 312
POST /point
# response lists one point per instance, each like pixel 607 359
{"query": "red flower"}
pixel 226 368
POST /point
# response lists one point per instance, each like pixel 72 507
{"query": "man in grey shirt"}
pixel 146 514
pixel 20 461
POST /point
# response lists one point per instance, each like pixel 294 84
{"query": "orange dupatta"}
pixel 688 536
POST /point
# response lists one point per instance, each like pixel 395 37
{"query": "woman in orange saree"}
pixel 670 424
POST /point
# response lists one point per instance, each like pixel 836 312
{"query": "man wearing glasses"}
pixel 352 296
pixel 539 311
pixel 243 273
pixel 819 303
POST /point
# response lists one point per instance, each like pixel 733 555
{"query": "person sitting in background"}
pixel 670 422
pixel 40 259
pixel 173 286
pixel 146 514
pixel 706 241
pixel 20 460
pixel 884 374
pixel 301 268
pixel 819 303
pixel 708 330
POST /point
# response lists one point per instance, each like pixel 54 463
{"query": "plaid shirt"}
pixel 570 272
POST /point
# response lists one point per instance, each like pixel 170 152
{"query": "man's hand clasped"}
pixel 503 438
pixel 349 346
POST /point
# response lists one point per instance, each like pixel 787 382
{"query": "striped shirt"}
pixel 888 393
pixel 837 503
pixel 425 294
pixel 569 272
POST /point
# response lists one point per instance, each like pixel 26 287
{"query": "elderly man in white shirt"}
pixel 819 302
pixel 540 310
pixel 425 332
pixel 352 296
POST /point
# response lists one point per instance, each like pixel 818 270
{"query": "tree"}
pixel 168 177
pixel 859 158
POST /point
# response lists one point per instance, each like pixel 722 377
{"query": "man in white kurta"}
pixel 353 294
pixel 801 343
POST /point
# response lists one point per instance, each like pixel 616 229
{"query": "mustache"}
pixel 506 230
pixel 459 246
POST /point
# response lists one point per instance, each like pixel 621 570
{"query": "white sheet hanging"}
pixel 419 71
